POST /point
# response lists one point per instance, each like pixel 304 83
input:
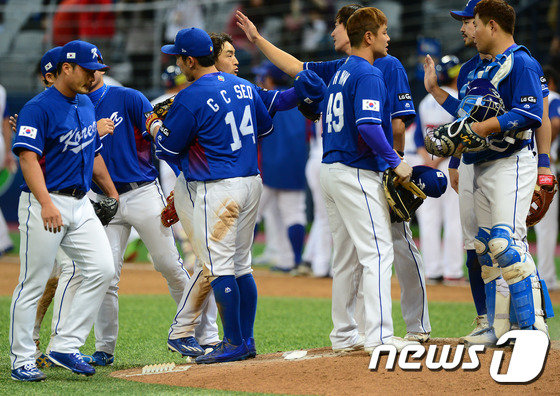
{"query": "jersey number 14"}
pixel 246 127
pixel 335 113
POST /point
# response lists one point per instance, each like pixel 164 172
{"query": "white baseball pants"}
pixel 84 240
pixel 362 247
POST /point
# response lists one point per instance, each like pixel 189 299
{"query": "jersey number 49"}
pixel 335 113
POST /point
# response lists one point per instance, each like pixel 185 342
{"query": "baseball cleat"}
pixel 420 337
pixel 186 346
pixel 72 362
pixel 28 373
pixel 304 269
pixel 43 361
pixel 251 347
pixel 486 337
pixel 356 347
pixel 481 326
pixel 99 359
pixel 398 342
pixel 225 352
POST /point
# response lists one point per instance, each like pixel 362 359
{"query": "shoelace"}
pixel 30 367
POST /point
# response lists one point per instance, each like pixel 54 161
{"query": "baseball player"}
pixel 129 162
pixel 547 228
pixel 182 334
pixel 408 262
pixel 283 156
pixel 445 264
pixel 505 174
pixel 57 144
pixel 461 179
pixel 211 130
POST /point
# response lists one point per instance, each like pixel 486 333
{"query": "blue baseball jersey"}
pixel 522 92
pixel 284 153
pixel 269 98
pixel 399 98
pixel 212 126
pixel 63 132
pixel 554 108
pixel 356 95
pixel 128 151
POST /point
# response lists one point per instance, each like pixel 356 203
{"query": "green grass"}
pixel 282 324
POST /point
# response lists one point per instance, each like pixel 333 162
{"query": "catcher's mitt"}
pixel 106 209
pixel 542 197
pixel 161 109
pixel 169 214
pixel 403 198
pixel 444 140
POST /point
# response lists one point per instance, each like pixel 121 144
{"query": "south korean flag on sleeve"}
pixel 28 132
pixel 370 104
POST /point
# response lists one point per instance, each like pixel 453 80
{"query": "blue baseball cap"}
pixel 267 68
pixel 190 42
pixel 84 54
pixel 468 12
pixel 309 87
pixel 432 182
pixel 50 60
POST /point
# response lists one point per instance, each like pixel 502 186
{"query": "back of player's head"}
pixel 49 61
pixel 367 19
pixel 346 12
pixel 499 11
pixel 218 41
pixel 447 69
pixel 192 42
pixel 173 77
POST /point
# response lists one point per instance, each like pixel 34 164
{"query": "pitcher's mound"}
pixel 321 371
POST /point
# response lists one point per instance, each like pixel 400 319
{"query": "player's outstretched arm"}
pixel 33 175
pixel 284 61
pixel 102 178
pixel 430 81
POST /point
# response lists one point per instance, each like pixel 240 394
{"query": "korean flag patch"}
pixel 28 132
pixel 370 104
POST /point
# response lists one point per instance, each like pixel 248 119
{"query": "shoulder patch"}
pixel 27 131
pixel 404 96
pixel 164 130
pixel 528 99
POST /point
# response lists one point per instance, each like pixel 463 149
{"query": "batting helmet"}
pixel 482 101
pixel 447 69
pixel 173 77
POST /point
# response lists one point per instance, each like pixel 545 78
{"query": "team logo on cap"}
pixel 94 53
pixel 183 50
pixel 71 55
pixel 27 131
pixel 48 66
pixel 211 48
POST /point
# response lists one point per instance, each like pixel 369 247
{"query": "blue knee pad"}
pixel 481 245
pixel 501 246
pixel 522 298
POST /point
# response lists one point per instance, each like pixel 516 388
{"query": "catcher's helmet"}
pixel 447 69
pixel 173 77
pixel 482 101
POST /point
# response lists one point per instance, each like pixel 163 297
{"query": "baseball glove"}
pixel 169 214
pixel 403 198
pixel 161 109
pixel 444 141
pixel 106 209
pixel 545 189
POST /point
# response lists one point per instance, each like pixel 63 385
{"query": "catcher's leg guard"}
pixel 482 249
pixel 517 272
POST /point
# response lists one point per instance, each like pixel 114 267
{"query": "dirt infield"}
pixel 143 279
pixel 322 372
